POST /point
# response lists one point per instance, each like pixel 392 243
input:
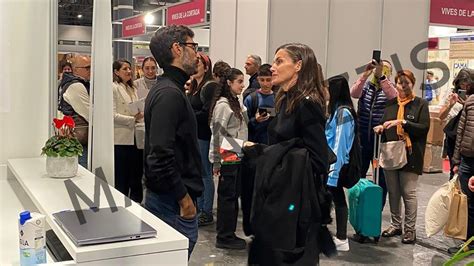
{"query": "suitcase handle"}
pixel 376 157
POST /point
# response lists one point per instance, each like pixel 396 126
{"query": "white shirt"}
pixel 76 95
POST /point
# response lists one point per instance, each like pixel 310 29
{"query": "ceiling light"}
pixel 149 19
pixel 79 16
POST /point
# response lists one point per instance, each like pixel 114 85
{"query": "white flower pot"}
pixel 61 167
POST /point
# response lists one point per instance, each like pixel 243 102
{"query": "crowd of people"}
pixel 282 145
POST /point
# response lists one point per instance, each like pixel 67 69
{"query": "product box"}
pixel 436 134
pixel 433 161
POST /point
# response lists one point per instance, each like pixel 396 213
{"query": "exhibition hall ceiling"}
pixel 79 12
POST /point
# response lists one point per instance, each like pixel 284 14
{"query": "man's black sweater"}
pixel 172 159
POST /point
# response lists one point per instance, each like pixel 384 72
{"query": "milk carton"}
pixel 32 238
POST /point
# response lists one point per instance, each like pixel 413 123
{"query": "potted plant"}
pixel 62 149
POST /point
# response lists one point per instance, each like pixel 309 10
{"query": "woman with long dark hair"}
pixel 300 105
pixel 227 120
pixel 340 135
pixel 200 95
pixel 128 159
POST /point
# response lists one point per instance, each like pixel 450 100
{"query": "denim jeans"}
pixel 206 201
pixel 466 170
pixel 165 207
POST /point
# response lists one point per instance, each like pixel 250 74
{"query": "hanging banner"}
pixel 133 26
pixel 188 14
pixel 455 13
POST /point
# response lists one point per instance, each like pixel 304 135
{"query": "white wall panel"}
pixel 252 31
pixel 24 50
pixel 223 30
pixel 304 21
pixel 405 26
pixel 102 114
pixel 354 31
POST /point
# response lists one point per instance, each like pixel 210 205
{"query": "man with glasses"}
pixel 172 159
pixel 74 100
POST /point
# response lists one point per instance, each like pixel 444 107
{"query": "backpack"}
pixel 351 171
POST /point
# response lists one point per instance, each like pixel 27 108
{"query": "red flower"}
pixel 58 123
pixel 68 121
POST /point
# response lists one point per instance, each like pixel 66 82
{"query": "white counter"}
pixel 50 195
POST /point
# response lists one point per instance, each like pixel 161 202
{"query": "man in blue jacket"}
pixel 373 95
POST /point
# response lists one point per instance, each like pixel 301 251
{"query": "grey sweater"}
pixel 225 123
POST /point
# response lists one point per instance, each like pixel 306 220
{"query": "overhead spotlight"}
pixel 79 16
pixel 149 19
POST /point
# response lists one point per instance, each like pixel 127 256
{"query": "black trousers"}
pixel 228 192
pixel 248 179
pixel 128 166
pixel 339 199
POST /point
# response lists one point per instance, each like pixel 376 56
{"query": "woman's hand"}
pixel 456 169
pixel 378 129
pixel 378 69
pixel 471 184
pixel 392 123
pixel 216 170
pixel 139 116
pixel 369 68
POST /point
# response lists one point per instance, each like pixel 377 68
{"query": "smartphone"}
pixel 462 94
pixel 376 55
pixel 262 111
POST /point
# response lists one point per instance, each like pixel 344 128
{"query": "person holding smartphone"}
pixel 450 110
pixel 463 158
pixel 373 94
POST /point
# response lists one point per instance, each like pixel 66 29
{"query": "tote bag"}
pixel 393 155
pixel 456 227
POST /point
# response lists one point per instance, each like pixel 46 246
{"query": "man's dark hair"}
pixel 164 38
pixel 264 70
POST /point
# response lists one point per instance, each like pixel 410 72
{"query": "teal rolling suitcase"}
pixel 365 204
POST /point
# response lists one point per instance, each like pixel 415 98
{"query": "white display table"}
pixel 50 195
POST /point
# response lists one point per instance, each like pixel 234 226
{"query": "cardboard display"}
pixel 436 134
pixel 433 162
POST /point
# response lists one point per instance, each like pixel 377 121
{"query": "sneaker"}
pixel 205 219
pixel 454 250
pixel 341 245
pixel 235 243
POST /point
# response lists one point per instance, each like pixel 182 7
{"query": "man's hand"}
pixel 369 68
pixel 471 184
pixel 187 208
pixel 216 170
pixel 261 118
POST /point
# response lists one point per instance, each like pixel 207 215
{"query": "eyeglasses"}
pixel 193 46
pixel 88 68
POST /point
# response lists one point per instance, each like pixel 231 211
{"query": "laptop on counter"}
pixel 103 226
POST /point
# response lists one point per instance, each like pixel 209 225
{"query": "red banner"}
pixel 452 12
pixel 191 13
pixel 133 26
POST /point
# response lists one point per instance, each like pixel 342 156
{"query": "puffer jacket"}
pixel 465 136
pixel 370 110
